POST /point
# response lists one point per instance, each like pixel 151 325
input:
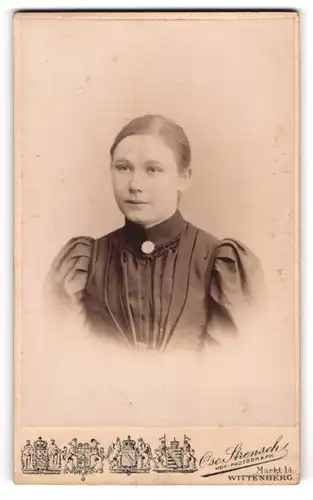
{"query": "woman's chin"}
pixel 137 218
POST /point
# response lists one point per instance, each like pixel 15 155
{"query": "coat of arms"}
pixel 82 458
pixel 173 457
pixel 41 457
pixel 128 456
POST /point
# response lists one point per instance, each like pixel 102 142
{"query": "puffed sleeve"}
pixel 235 288
pixel 68 274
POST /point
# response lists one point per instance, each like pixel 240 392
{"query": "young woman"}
pixel 158 282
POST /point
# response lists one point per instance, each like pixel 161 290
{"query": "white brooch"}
pixel 147 247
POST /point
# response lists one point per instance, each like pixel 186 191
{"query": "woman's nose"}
pixel 136 183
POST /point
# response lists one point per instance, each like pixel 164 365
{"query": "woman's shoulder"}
pixel 229 262
pixel 228 248
pixel 70 267
pixel 236 273
pixel 74 248
pixel 108 237
pixel 206 242
pixel 234 252
pixel 83 245
pixel 68 272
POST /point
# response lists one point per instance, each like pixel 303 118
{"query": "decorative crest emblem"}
pixel 174 458
pixel 82 458
pixel 41 457
pixel 128 457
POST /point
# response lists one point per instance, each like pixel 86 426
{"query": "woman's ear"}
pixel 184 179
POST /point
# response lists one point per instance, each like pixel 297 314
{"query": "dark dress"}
pixel 190 290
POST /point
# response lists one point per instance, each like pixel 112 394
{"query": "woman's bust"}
pixel 158 282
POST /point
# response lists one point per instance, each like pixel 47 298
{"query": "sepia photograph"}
pixel 156 247
pixel 158 282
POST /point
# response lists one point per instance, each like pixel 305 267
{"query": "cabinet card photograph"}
pixel 156 318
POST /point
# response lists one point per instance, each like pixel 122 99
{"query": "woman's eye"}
pixel 122 167
pixel 153 169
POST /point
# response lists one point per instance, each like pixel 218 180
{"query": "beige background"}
pixel 231 83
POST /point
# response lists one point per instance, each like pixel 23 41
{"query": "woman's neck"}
pixel 149 225
pixel 159 233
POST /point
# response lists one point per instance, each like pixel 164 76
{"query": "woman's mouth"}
pixel 136 202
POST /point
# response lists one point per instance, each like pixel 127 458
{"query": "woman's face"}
pixel 146 179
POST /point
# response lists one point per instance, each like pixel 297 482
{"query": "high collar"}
pixel 159 234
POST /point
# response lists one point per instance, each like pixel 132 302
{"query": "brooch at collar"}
pixel 147 247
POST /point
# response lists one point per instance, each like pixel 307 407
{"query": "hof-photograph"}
pixel 156 314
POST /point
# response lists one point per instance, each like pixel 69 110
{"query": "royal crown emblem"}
pixel 40 444
pixel 129 444
pixel 174 444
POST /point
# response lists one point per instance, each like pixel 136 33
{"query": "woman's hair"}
pixel 170 132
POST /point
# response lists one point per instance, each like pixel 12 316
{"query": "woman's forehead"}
pixel 141 148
